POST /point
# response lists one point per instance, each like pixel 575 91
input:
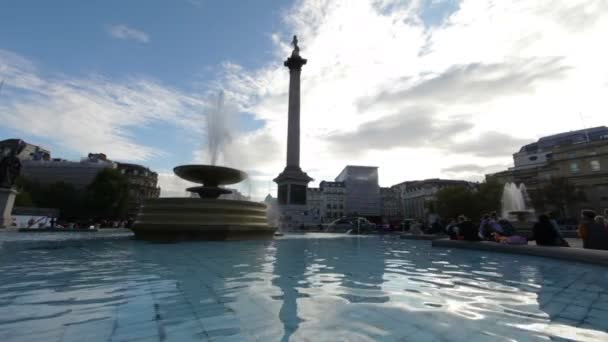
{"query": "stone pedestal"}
pixel 7 201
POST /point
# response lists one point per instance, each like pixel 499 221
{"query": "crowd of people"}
pixel 593 231
pixel 52 222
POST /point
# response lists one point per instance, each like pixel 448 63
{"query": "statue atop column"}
pixel 296 48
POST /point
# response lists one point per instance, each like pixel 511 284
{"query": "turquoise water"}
pixel 108 287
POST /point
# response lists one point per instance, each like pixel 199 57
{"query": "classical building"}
pixel 314 201
pixel 416 195
pixel 582 164
pixel 390 202
pixel 142 182
pixel 78 174
pixel 362 197
pixel 539 153
pixel 333 200
pixel 24 150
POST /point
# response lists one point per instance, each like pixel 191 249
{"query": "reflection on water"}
pixel 315 287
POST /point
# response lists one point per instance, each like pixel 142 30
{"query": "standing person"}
pixel 543 232
pixel 594 235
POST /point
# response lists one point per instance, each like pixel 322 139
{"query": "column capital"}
pixel 295 62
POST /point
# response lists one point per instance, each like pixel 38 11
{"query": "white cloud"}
pixel 127 33
pixel 91 113
pixel 382 88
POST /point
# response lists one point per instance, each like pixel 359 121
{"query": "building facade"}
pixel 314 202
pixel 416 196
pixel 23 150
pixel 582 164
pixel 78 174
pixel 539 153
pixel 333 198
pixel 390 200
pixel 362 197
pixel 143 183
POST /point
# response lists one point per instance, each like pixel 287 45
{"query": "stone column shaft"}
pixel 293 125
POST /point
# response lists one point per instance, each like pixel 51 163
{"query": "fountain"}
pixel 514 207
pixel 206 217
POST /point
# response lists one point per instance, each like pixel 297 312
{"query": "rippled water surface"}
pixel 108 287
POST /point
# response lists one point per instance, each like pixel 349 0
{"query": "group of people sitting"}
pixel 545 232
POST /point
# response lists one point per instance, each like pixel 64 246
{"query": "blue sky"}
pixel 187 41
pixel 444 85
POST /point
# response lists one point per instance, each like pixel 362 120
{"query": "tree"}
pixel 24 199
pixel 108 195
pixel 473 203
pixel 62 196
pixel 453 201
pixel 488 197
pixel 560 194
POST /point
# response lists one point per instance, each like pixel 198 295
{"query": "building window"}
pixel 329 206
pixel 533 158
pixel 549 155
pixel 574 167
pixel 595 165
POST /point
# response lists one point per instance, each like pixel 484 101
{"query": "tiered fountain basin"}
pixel 207 217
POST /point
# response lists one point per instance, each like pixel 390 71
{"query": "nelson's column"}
pixel 293 182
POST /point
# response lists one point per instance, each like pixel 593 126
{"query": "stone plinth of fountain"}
pixel 206 217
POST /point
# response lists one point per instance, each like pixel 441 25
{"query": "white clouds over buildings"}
pixel 388 83
pixel 383 87
pixel 127 33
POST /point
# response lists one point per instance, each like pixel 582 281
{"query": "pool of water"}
pixel 108 287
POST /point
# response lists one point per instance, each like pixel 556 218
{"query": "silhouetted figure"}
pixel 544 233
pixel 594 235
pixel 467 231
pixel 10 167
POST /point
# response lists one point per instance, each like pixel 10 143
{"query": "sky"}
pixel 419 88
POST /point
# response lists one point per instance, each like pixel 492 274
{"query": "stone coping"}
pixel 421 236
pixel 589 256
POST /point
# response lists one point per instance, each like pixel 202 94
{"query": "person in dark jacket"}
pixel 544 233
pixel 466 230
pixel 594 235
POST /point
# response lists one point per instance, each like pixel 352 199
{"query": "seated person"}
pixel 544 233
pixel 485 230
pixel 466 229
pixel 594 235
pixel 452 229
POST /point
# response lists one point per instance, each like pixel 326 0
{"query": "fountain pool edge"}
pixel 588 256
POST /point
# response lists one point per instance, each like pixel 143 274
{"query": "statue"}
pixel 296 48
pixel 10 167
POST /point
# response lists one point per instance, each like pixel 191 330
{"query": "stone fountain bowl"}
pixel 210 175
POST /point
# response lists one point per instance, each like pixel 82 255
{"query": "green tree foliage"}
pixel 24 199
pixel 560 194
pixel 453 201
pixel 459 200
pixel 108 195
pixel 488 197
